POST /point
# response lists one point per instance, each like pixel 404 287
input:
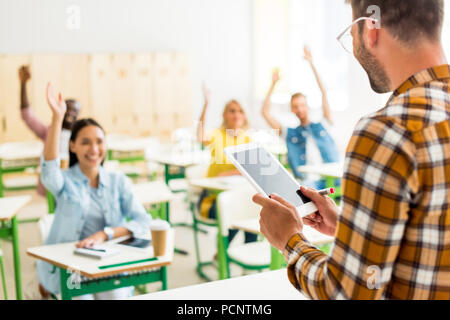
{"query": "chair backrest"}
pixel 196 172
pixel 236 204
pixel 45 223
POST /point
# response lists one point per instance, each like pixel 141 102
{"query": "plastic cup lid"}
pixel 159 224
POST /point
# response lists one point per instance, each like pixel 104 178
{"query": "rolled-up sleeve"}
pixel 138 219
pixel 51 175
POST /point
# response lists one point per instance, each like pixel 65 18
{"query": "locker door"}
pixel 122 94
pixel 12 128
pixel 143 93
pixel 75 81
pixel 100 95
pixel 44 69
pixel 183 86
pixel 164 78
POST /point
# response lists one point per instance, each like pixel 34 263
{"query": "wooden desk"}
pixel 9 207
pixel 180 160
pixel 131 267
pixel 17 157
pixel 219 184
pixel 128 149
pixel 154 193
pixel 158 194
pixel 271 285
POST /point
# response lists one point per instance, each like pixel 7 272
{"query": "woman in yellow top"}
pixel 231 133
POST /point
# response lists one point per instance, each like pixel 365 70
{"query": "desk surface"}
pixel 314 236
pixel 219 183
pixel 62 256
pixel 152 192
pixel 271 285
pixel 10 206
pixel 129 144
pixel 334 170
pixel 181 159
pixel 21 150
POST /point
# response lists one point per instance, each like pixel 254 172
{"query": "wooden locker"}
pixel 12 128
pixel 183 86
pixel 100 95
pixel 164 78
pixel 122 94
pixel 143 92
pixel 44 69
pixel 75 81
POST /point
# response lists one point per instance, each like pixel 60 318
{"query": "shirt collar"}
pixel 103 180
pixel 435 73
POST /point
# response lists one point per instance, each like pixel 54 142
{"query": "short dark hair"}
pixel 407 20
pixel 77 126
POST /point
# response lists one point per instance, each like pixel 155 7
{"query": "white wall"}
pixel 216 32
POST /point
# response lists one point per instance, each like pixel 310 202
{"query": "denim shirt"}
pixel 71 191
pixel 296 145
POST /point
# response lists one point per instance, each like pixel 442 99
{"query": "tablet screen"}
pixel 269 174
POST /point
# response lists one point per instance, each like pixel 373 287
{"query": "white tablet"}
pixel 268 175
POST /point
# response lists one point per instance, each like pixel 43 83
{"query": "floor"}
pixel 181 273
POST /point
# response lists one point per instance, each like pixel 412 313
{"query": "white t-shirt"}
pixel 64 144
pixel 313 156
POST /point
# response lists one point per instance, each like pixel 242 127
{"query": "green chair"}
pixel 2 271
pixel 236 205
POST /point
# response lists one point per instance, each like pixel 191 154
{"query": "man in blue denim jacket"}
pixel 309 135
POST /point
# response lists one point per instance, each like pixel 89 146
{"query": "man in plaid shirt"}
pixel 392 233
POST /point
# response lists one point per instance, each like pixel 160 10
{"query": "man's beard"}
pixel 378 78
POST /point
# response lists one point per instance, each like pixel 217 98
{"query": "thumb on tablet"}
pixel 261 200
pixel 281 200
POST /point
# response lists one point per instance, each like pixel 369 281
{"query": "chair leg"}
pixel 2 271
pixel 200 264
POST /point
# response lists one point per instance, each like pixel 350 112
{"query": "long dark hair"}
pixel 77 126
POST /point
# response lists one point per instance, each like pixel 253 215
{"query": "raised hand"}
pixel 307 54
pixel 206 93
pixel 24 74
pixel 57 104
pixel 275 76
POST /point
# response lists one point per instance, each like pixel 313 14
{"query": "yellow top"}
pixel 220 140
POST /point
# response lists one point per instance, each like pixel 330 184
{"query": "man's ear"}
pixel 370 34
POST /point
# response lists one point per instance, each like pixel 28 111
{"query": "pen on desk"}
pixel 326 192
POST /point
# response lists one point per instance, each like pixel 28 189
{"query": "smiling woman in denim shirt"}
pixel 301 140
pixel 93 205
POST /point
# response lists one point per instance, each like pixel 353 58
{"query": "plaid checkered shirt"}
pixel 393 233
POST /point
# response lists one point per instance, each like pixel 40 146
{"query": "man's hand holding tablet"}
pixel 279 220
pixel 282 216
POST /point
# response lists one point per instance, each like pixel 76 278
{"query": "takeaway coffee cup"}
pixel 159 229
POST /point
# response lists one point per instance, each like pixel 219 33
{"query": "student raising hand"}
pixel 307 54
pixel 57 104
pixel 58 107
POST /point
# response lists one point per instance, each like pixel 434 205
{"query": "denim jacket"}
pixel 71 192
pixel 296 145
